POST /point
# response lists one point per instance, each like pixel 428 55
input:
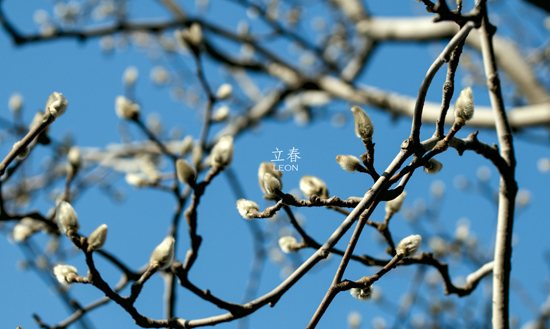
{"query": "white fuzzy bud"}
pixel 56 104
pixel 130 76
pixel 196 156
pixel 67 219
pixel 221 114
pixel 224 91
pixel 222 152
pixel 311 185
pixel 464 106
pixel 409 245
pixel 247 208
pixel 191 37
pixel 363 124
pixel 135 180
pixel 361 294
pixel 97 238
pixel 160 76
pixel 163 255
pixel 186 145
pixel 432 167
pixel 126 109
pixel 24 153
pixel 184 171
pixel 354 320
pixel 65 273
pixel 74 156
pixel 267 167
pixel 150 170
pixel 15 103
pixel 288 244
pixel 348 162
pixel 21 232
pixel 272 184
pixel 393 206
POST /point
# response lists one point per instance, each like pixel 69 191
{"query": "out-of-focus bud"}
pixel 15 103
pixel 311 185
pixel 272 184
pixel 126 109
pixel 135 180
pixel 67 219
pixel 363 124
pixel 160 76
pixel 196 156
pixel 224 91
pixel 21 232
pixel 56 104
pixel 267 167
pixel 432 167
pixel 361 294
pixel 163 255
pixel 222 152
pixel 349 163
pixel 354 320
pixel 65 273
pixel 221 114
pixel 150 170
pixel 288 244
pixel 75 157
pixel 464 106
pixel 409 245
pixel 186 145
pixel 130 76
pixel 24 152
pixel 97 238
pixel 393 206
pixel 186 174
pixel 247 208
pixel 190 37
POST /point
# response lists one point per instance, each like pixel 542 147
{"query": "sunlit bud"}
pixel 224 91
pixel 433 167
pixel 186 145
pixel 163 255
pixel 97 238
pixel 21 232
pixel 136 180
pixel 222 152
pixel 462 231
pixel 126 109
pixel 74 157
pixel 150 170
pixel 191 37
pixel 311 185
pixel 288 244
pixel 24 152
pixel 247 208
pixel 409 245
pixel 196 156
pixel 438 246
pixel 393 206
pixel 354 320
pixel 348 162
pixel 65 273
pixel 66 218
pixel 464 106
pixel 160 75
pixel 56 104
pixel 267 167
pixel 186 173
pixel 361 294
pixel 15 103
pixel 221 114
pixel 130 76
pixel 437 188
pixel 363 124
pixel 272 184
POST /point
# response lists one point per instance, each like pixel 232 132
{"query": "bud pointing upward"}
pixel 363 124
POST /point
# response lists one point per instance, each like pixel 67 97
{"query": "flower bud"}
pixel 15 103
pixel 311 185
pixel 408 246
pixel 222 152
pixel 288 244
pixel 221 114
pixel 247 208
pixel 272 184
pixel 224 91
pixel 190 37
pixel 196 156
pixel 150 170
pixel 21 232
pixel 130 76
pixel 361 294
pixel 363 124
pixel 126 109
pixel 163 255
pixel 393 206
pixel 66 218
pixel 135 180
pixel 56 104
pixel 349 163
pixel 464 106
pixel 97 238
pixel 74 157
pixel 267 167
pixel 65 273
pixel 432 167
pixel 186 145
pixel 186 173
pixel 24 152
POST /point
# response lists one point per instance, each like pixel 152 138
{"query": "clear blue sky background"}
pixel 91 80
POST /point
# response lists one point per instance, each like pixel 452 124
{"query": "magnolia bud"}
pixel 267 167
pixel 349 163
pixel 393 206
pixel 361 294
pixel 433 167
pixel 221 114
pixel 224 91
pixel 15 103
pixel 97 238
pixel 130 76
pixel 74 157
pixel 186 173
pixel 272 184
pixel 247 208
pixel 190 37
pixel 196 156
pixel 136 180
pixel 408 246
pixel 310 185
pixel 163 255
pixel 288 244
pixel 65 273
pixel 186 145
pixel 126 109
pixel 24 152
pixel 21 232
pixel 222 152
pixel 363 124
pixel 66 218
pixel 464 106
pixel 56 104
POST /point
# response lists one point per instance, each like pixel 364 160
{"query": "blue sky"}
pixel 91 80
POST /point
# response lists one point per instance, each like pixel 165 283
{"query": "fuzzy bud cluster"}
pixel 247 208
pixel 56 104
pixel 311 185
pixel 363 124
pixel 163 255
pixel 408 246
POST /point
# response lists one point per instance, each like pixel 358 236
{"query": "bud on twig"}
pixel 222 152
pixel 135 180
pixel 15 103
pixel 363 124
pixel 361 294
pixel 24 152
pixel 311 185
pixel 408 246
pixel 163 255
pixel 464 106
pixel 224 91
pixel 349 163
pixel 190 37
pixel 272 184
pixel 74 157
pixel 267 167
pixel 126 109
pixel 393 206
pixel 65 273
pixel 97 238
pixel 220 114
pixel 186 173
pixel 67 220
pixel 247 208
pixel 432 167
pixel 56 104
pixel 288 244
